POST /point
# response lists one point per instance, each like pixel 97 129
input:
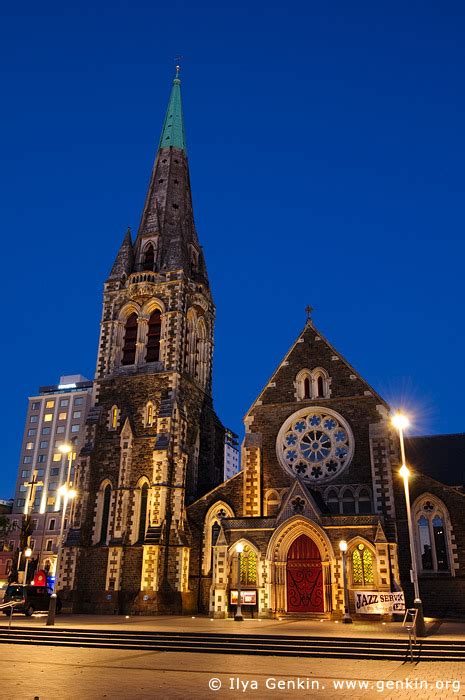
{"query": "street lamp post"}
pixel 238 615
pixel 67 494
pixel 346 618
pixel 27 555
pixel 400 422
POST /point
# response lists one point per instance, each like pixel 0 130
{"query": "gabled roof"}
pixel 310 327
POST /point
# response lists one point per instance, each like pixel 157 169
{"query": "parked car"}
pixel 36 598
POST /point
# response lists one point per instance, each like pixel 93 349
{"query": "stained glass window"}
pixel 362 566
pixel 248 567
pixel 316 444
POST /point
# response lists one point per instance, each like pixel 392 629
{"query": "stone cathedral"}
pixel 155 531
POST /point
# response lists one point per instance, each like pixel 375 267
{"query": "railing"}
pixel 12 604
pixel 410 624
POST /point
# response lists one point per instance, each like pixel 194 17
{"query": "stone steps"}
pixel 259 644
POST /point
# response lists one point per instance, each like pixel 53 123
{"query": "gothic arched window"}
pixel 430 517
pixel 149 415
pixel 149 257
pixel 332 501
pixel 248 567
pixel 114 415
pixel 105 514
pixel 362 566
pixel 130 340
pixel 153 337
pixel 307 391
pixel 364 501
pixel 348 502
pixel 303 384
pixel 144 495
pixel 320 383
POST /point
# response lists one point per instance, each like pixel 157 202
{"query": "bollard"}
pixel 52 610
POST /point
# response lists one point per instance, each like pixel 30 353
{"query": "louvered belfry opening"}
pixel 149 258
pixel 153 337
pixel 130 340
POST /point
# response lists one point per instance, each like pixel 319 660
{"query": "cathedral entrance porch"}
pixel 301 560
pixel 304 577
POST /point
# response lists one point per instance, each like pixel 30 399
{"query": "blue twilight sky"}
pixel 326 145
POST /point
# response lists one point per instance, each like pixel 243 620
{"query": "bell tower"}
pixel 154 442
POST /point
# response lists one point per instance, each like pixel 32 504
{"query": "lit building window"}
pixel 62 416
pixel 114 417
pixel 362 566
pixel 48 417
pixel 50 404
pixel 248 567
pixel 29 445
pixel 149 414
pixel 57 457
pixel 51 501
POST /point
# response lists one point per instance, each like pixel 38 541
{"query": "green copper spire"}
pixel 173 128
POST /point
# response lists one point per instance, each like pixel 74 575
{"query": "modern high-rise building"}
pixel 231 454
pixel 56 415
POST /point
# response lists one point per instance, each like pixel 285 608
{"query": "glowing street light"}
pixel 238 615
pixel 346 618
pixel 400 422
pixel 28 555
pixel 67 493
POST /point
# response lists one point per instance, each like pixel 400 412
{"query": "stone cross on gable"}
pixel 308 310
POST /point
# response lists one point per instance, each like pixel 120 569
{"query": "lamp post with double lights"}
pixel 346 618
pixel 400 423
pixel 238 615
pixel 66 494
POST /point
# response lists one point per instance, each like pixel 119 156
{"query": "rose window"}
pixel 316 444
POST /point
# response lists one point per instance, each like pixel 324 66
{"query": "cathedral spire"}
pixel 167 222
pixel 173 127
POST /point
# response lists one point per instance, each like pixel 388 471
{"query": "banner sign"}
pixel 247 597
pixel 376 603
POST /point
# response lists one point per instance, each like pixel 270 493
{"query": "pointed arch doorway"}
pixel 304 577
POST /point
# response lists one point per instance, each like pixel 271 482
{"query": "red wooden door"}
pixel 304 577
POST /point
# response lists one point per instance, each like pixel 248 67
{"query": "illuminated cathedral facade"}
pixel 155 530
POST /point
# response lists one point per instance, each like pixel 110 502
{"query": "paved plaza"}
pixel 31 672
pixel 43 673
